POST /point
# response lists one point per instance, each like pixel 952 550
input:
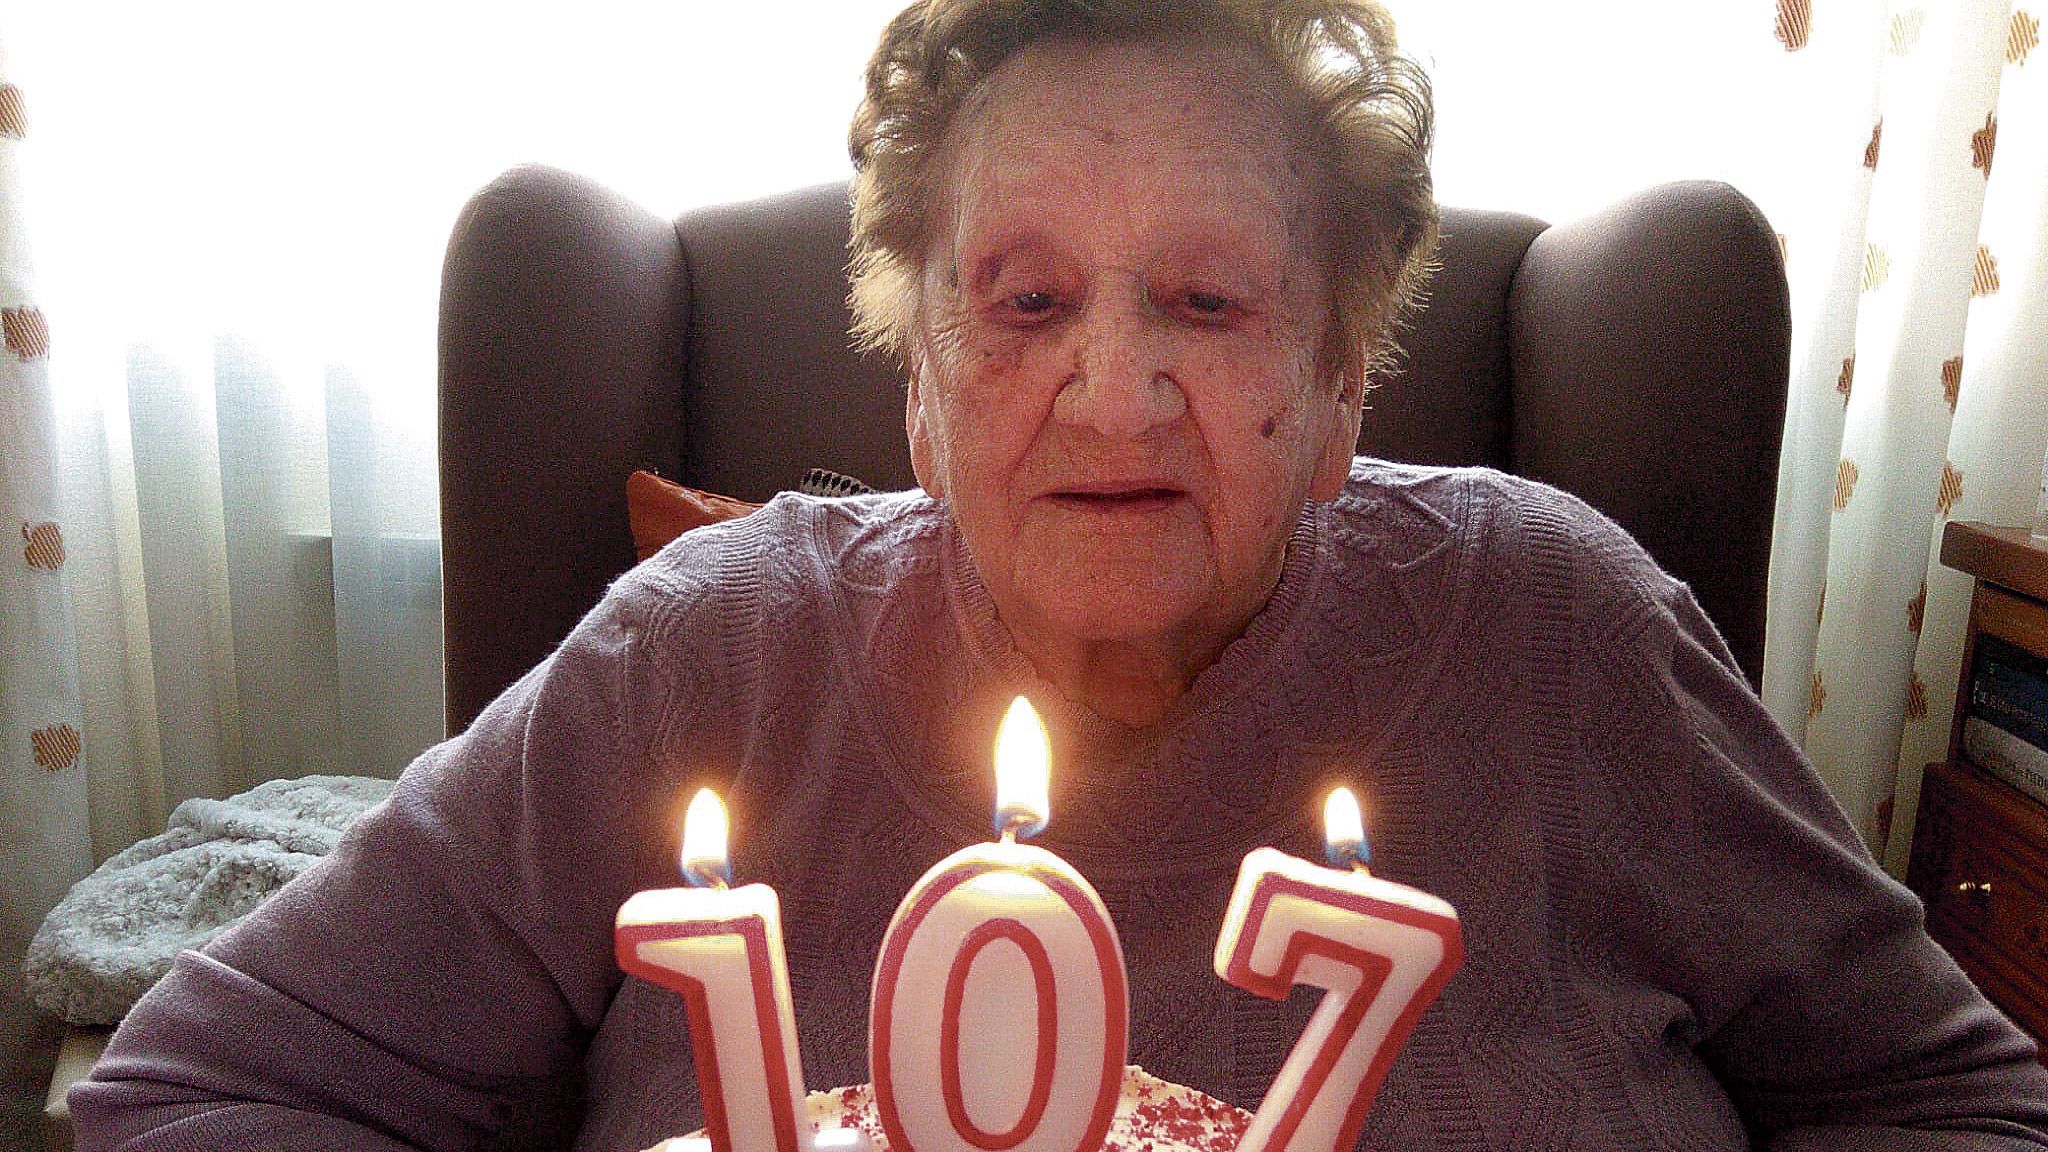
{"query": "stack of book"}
pixel 2005 719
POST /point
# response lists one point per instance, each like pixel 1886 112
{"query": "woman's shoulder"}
pixel 1506 543
pixel 725 601
pixel 1454 498
pixel 701 622
pixel 1497 517
pixel 1463 489
pixel 777 553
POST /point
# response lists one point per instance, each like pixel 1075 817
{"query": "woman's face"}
pixel 1116 385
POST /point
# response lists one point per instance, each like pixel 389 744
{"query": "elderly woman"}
pixel 1138 258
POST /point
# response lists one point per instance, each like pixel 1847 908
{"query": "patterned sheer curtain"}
pixel 1920 389
pixel 42 784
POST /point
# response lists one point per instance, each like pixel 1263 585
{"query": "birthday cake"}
pixel 1152 1115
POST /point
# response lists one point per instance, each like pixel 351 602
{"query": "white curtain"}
pixel 42 775
pixel 239 209
pixel 1920 388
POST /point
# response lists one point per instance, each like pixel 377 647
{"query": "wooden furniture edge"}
pixel 80 1050
pixel 2008 557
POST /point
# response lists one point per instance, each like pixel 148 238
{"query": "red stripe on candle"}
pixel 753 934
pixel 1040 960
pixel 1374 969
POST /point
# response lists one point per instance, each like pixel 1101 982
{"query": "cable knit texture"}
pixel 1674 940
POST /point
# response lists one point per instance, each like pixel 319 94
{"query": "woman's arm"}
pixel 436 978
pixel 1830 1016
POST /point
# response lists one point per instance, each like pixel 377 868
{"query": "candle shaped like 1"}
pixel 722 949
pixel 999 1016
pixel 1381 951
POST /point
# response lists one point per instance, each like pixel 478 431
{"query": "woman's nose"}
pixel 1122 384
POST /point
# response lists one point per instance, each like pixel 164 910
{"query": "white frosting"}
pixel 1152 1115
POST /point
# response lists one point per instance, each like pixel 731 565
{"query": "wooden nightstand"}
pixel 1980 847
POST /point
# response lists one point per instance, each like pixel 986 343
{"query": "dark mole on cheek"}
pixel 1271 425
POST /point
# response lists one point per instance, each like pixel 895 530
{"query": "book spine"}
pixel 2009 688
pixel 2015 682
pixel 2008 712
pixel 2003 651
pixel 2006 756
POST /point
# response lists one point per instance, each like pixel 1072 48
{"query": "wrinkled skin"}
pixel 1115 385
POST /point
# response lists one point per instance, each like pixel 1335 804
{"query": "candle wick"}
pixel 1012 824
pixel 1352 854
pixel 699 875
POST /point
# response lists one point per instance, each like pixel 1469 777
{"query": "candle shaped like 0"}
pixel 999 1015
pixel 722 949
pixel 1381 951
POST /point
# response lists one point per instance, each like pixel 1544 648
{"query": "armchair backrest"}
pixel 1637 358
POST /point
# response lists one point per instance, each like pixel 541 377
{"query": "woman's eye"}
pixel 1031 303
pixel 1208 303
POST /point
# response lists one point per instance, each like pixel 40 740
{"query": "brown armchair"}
pixel 1637 358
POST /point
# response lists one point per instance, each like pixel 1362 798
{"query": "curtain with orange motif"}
pixel 1917 254
pixel 44 845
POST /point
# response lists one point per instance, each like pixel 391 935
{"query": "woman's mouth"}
pixel 1118 500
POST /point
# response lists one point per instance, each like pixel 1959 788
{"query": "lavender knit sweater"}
pixel 1674 939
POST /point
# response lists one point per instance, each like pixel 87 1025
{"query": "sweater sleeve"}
pixel 435 979
pixel 1831 1018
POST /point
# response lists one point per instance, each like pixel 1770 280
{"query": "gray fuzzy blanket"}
pixel 118 930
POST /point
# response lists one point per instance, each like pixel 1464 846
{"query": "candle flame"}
pixel 704 840
pixel 1023 771
pixel 1344 829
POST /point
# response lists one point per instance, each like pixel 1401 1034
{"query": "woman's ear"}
pixel 917 426
pixel 1333 466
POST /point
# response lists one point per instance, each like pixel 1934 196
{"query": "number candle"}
pixel 999 1013
pixel 722 949
pixel 1381 951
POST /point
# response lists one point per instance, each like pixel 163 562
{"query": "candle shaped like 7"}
pixel 999 1016
pixel 1381 951
pixel 721 948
